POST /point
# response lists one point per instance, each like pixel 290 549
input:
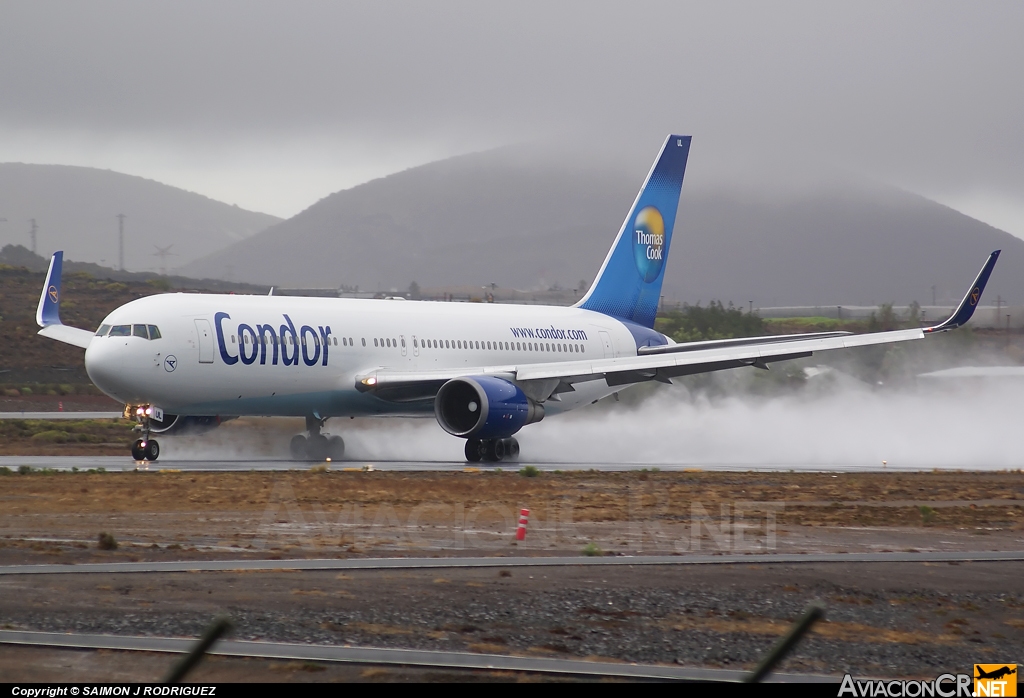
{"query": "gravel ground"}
pixel 883 619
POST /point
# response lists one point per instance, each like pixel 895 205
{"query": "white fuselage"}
pixel 283 355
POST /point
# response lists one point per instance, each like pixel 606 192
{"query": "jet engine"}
pixel 484 407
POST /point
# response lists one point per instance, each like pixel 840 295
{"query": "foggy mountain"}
pixel 518 219
pixel 76 210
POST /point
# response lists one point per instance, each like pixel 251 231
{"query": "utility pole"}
pixel 120 240
pixel 32 234
pixel 750 307
pixel 999 307
pixel 163 253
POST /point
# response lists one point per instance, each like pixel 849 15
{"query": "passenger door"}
pixel 205 333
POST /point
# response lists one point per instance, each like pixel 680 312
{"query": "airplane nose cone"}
pixel 105 365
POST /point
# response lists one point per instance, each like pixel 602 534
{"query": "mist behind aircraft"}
pixel 846 426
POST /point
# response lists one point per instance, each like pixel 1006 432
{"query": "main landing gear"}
pixel 491 450
pixel 318 446
pixel 144 448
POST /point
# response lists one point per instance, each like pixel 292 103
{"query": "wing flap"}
pixel 745 355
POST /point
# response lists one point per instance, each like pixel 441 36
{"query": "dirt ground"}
pixel 884 619
pixel 58 515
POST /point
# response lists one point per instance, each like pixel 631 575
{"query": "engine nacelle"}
pixel 184 424
pixel 484 407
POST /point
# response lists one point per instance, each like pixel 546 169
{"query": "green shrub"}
pixel 107 542
pixel 12 392
pixel 24 469
pixel 51 436
pixel 529 471
pixel 592 550
pixel 927 514
pixel 4 470
pixel 26 391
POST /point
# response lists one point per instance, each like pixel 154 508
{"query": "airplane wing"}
pixel 48 311
pixel 663 363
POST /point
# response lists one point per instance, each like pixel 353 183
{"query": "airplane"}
pixel 189 361
pixel 995 674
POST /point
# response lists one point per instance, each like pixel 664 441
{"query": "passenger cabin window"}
pixel 121 331
pixel 102 331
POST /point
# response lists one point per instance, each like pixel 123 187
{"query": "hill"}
pixel 76 209
pixel 519 219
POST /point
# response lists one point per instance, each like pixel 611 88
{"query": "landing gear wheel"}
pixel 316 447
pixel 151 450
pixel 495 450
pixel 511 448
pixel 335 448
pixel 297 447
pixel 138 450
pixel 473 450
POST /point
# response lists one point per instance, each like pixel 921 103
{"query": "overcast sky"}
pixel 273 105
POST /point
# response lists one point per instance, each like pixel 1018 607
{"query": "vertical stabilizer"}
pixel 629 283
pixel 48 310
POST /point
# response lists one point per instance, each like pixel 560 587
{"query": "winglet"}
pixel 970 302
pixel 48 312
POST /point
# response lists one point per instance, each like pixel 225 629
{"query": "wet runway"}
pixel 408 563
pixel 125 463
pixel 60 415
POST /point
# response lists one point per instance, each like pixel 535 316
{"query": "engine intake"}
pixel 484 407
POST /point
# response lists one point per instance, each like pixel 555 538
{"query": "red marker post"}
pixel 524 514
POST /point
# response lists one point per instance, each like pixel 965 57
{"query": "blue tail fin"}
pixel 629 283
pixel 48 310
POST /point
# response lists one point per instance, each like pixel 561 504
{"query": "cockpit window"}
pixel 121 331
pixel 154 332
pixel 102 331
pixel 140 331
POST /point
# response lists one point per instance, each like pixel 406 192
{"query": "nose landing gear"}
pixel 491 450
pixel 144 448
pixel 318 446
